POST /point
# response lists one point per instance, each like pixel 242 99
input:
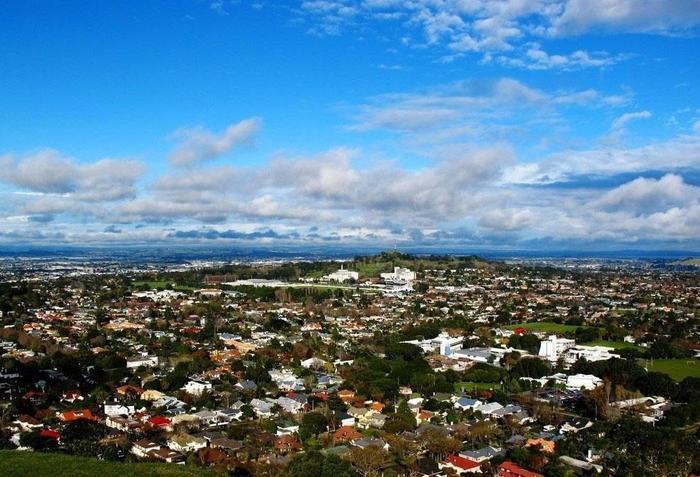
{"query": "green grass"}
pixel 676 368
pixel 546 327
pixel 472 386
pixel 160 285
pixel 614 344
pixel 36 464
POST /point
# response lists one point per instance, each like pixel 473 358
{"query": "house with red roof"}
pixel 70 416
pixel 287 443
pixel 460 464
pixel 511 469
pixel 346 434
pixel 50 434
pixel 160 422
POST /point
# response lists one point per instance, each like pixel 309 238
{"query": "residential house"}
pixel 142 447
pixel 460 464
pixel 186 443
pixel 511 469
pixel 197 387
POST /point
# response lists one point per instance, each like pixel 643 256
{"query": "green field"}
pixel 546 327
pixel 676 368
pixel 36 464
pixel 614 344
pixel 160 285
pixel 472 386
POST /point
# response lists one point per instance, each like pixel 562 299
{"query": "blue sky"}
pixel 502 124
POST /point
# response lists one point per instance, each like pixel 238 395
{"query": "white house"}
pixel 142 447
pixel 197 387
pixel 186 443
pixel 113 409
pixel 313 363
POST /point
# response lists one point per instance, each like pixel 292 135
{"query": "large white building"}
pixel 590 353
pixel 553 347
pixel 145 361
pixel 585 381
pixel 342 275
pixel 442 343
pixel 399 275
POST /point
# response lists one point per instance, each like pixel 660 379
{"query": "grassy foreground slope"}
pixel 35 464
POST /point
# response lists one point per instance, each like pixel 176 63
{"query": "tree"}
pixel 316 464
pixel 312 424
pixel 369 461
pixel 531 367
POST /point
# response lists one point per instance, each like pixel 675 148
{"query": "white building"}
pixel 553 348
pixel 585 381
pixel 342 275
pixel 442 343
pixel 196 387
pixel 145 361
pixel 399 275
pixel 114 409
pixel 590 353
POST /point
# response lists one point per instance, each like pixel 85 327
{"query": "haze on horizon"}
pixel 510 123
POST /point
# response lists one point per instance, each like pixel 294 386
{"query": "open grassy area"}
pixel 676 368
pixel 160 285
pixel 546 327
pixel 466 386
pixel 36 464
pixel 614 344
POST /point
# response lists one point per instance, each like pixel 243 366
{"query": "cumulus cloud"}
pixel 199 144
pixel 46 171
pixel 675 154
pixel 50 172
pixel 646 195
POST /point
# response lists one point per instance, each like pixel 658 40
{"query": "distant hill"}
pixel 35 464
pixel 693 262
pixel 372 266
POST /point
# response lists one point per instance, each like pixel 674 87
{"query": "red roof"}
pixel 510 469
pixel 70 416
pixel 50 434
pixel 159 421
pixel 461 462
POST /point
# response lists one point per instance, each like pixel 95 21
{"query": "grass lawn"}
pixel 546 327
pixel 160 285
pixel 36 464
pixel 614 344
pixel 471 386
pixel 676 368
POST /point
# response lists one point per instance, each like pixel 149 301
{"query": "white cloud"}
pixel 50 172
pixel 621 121
pixel 645 195
pixel 533 57
pixel 677 153
pixel 648 16
pixel 493 27
pixel 198 144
